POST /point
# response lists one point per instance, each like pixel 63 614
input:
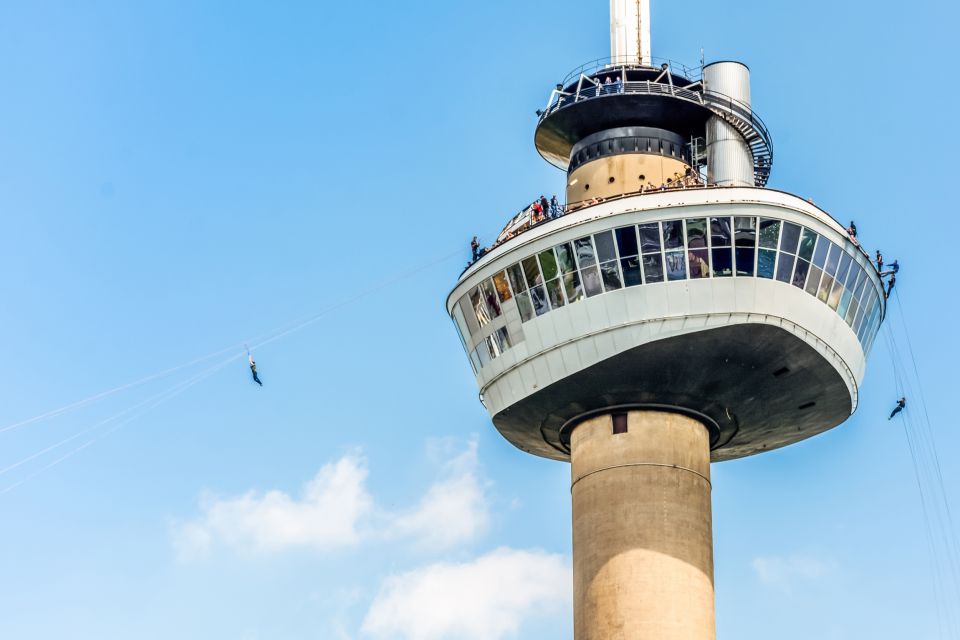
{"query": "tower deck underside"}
pixel 749 307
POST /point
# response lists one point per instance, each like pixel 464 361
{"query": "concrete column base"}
pixel 642 528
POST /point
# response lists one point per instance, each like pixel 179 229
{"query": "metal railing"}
pixel 605 64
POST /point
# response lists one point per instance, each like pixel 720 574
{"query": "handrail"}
pixel 600 64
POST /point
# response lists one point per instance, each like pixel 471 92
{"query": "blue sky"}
pixel 178 178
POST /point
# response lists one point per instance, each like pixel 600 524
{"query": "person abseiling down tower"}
pixel 892 271
pixel 253 370
pixel 901 403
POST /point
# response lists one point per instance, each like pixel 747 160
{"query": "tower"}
pixel 678 313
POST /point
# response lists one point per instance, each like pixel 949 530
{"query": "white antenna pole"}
pixel 630 31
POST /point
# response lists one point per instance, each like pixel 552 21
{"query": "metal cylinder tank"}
pixel 729 159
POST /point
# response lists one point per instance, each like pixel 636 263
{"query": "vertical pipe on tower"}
pixel 729 159
pixel 642 528
pixel 630 32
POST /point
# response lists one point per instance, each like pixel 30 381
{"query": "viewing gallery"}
pixel 663 252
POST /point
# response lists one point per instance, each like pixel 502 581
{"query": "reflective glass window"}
pixel 611 276
pixel 650 238
pixel 833 259
pixel 745 234
pixel 769 234
pixel 745 258
pixel 833 301
pixel 572 287
pixel 474 360
pixel 490 297
pixel 539 297
pixel 789 237
pixel 483 353
pixel 720 235
pixel 676 264
pixel 722 262
pixel 591 281
pixel 854 276
pixel 555 293
pixel 532 272
pixel 631 271
pixel 697 233
pixel 502 286
pixel 800 273
pixel 863 286
pixel 813 280
pixel 605 249
pixel 699 262
pixel 844 303
pixel 503 338
pixel 493 346
pixel 653 268
pixel 825 284
pixel 548 265
pixel 785 267
pixel 565 257
pixel 627 241
pixel 585 255
pixel 808 240
pixel 845 260
pixel 479 307
pixel 820 253
pixel 525 306
pixel 672 234
pixel 517 281
pixel 852 311
pixel 766 260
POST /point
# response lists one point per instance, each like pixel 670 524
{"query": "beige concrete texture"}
pixel 642 529
pixel 626 173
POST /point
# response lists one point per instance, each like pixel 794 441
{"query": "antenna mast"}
pixel 630 32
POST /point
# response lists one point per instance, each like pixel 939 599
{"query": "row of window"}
pixel 670 251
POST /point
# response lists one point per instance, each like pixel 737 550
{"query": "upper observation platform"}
pixel 616 93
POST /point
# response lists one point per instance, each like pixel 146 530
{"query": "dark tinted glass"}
pixel 785 267
pixel 611 276
pixel 548 265
pixel 820 253
pixel 807 242
pixel 650 237
pixel 745 233
pixel 833 259
pixel 605 249
pixel 722 262
pixel 631 271
pixel 676 265
pixel 769 233
pixel 790 237
pixel 517 281
pixel 699 263
pixel 653 268
pixel 800 275
pixel 745 258
pixel 627 241
pixel 697 233
pixel 539 297
pixel 672 234
pixel 720 232
pixel 765 262
pixel 845 260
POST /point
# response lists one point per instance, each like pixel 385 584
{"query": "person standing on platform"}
pixel 475 248
pixel 879 261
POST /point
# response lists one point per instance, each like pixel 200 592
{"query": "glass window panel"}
pixel 699 261
pixel 697 233
pixel 766 260
pixel 548 265
pixel 769 234
pixel 605 248
pixel 790 237
pixel 631 271
pixel 591 281
pixel 853 278
pixel 861 286
pixel 785 267
pixel 825 284
pixel 490 296
pixel 745 234
pixel 845 260
pixel 585 255
pixel 479 307
pixel 572 286
pixel 483 352
pixel 653 268
pixel 720 232
pixel 475 361
pixel 833 259
pixel 466 308
pixel 676 264
pixel 517 281
pixel 504 339
pixel 650 237
pixel 834 300
pixel 525 306
pixel 502 287
pixel 813 280
pixel 493 346
pixel 745 258
pixel 611 276
pixel 555 293
pixel 852 311
pixel 808 240
pixel 565 257
pixel 820 253
pixel 722 262
pixel 800 273
pixel 461 323
pixel 672 234
pixel 539 297
pixel 627 241
pixel 844 303
pixel 532 272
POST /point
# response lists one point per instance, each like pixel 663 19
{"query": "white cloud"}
pixel 327 515
pixel 335 510
pixel 454 510
pixel 782 571
pixel 486 599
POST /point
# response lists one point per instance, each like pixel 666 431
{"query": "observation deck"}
pixel 610 93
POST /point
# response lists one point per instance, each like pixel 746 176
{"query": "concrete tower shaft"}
pixel 630 31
